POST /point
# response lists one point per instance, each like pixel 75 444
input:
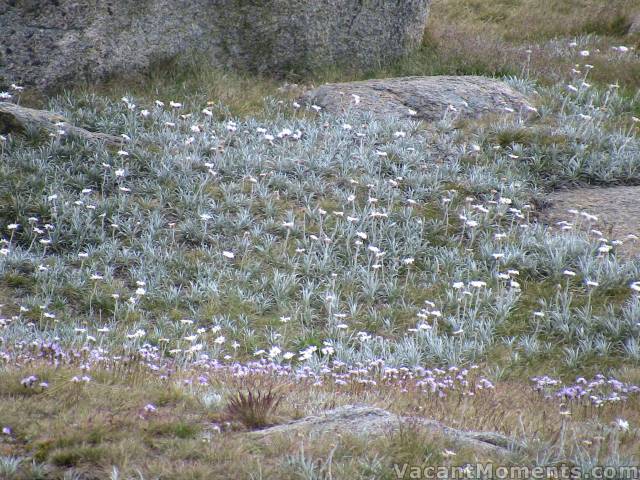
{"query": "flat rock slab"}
pixel 372 421
pixel 617 212
pixel 421 98
pixel 17 119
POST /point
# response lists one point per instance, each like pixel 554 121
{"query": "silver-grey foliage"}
pixel 343 237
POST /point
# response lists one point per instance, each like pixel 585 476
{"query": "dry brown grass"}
pixel 253 408
pixel 105 424
pixel 535 20
pixel 499 33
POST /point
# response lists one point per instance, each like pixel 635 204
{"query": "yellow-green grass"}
pixel 90 428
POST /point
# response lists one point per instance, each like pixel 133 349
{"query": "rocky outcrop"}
pixel 612 211
pixel 422 98
pixel 634 28
pixel 48 43
pixel 15 119
pixel 371 421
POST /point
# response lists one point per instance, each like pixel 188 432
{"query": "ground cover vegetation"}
pixel 243 260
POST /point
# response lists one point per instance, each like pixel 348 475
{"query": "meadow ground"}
pixel 239 243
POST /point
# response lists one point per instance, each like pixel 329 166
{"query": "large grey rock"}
pixel 48 43
pixel 371 421
pixel 423 98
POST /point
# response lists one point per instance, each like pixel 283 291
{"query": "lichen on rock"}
pixel 421 98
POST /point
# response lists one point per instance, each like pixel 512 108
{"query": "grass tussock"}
pixel 253 408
